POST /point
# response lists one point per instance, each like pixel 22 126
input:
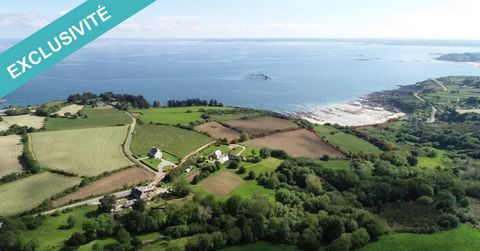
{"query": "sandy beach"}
pixel 350 114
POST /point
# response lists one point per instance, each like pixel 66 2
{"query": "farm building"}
pixel 141 192
pixel 219 156
pixel 156 153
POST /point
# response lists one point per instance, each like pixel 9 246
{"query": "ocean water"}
pixel 305 73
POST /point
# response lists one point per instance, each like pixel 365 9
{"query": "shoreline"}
pixel 360 112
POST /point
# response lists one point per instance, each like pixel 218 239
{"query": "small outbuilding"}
pixel 219 156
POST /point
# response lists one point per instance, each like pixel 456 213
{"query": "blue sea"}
pixel 304 73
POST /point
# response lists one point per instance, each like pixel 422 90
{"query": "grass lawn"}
pixel 163 245
pixel 347 141
pixel 464 238
pixel 266 166
pixel 439 160
pixel 176 141
pixel 97 117
pixel 261 246
pixel 337 164
pixel 174 116
pixel 54 230
pixel 28 193
pixel 152 163
pixel 86 152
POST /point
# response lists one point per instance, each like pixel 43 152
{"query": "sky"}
pixel 402 19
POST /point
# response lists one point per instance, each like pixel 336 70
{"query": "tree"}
pixel 99 227
pixel 344 243
pixel 244 137
pixel 360 238
pixel 233 164
pixel 412 161
pixel 325 158
pixel 251 175
pixel 123 236
pixel 156 104
pixel 264 153
pixel 180 187
pixel 76 240
pixel 107 204
pixel 139 205
pixel 242 170
pixel 447 220
pixel 314 184
pixel 71 221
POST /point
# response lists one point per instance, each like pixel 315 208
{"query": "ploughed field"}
pixel 119 180
pixel 262 125
pixel 218 131
pixel 11 149
pixel 85 152
pixel 298 143
pixel 223 183
pixel 28 193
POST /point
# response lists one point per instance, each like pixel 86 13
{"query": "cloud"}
pixel 199 27
pixel 22 24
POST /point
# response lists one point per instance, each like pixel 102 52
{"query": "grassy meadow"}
pixel 11 149
pixel 94 151
pixel 176 141
pixel 96 117
pixel 347 141
pixel 174 116
pixel 464 238
pixel 28 193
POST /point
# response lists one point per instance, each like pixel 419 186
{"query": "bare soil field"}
pixel 262 125
pixel 299 143
pixel 223 183
pixel 219 131
pixel 126 178
pixel 23 120
pixel 72 109
pixel 11 148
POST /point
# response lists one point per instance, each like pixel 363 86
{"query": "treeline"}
pixel 193 102
pixel 121 100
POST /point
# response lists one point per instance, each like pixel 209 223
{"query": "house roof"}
pixel 155 151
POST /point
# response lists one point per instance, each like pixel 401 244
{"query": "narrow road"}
pixel 93 201
pixel 418 97
pixel 184 159
pixel 440 84
pixel 128 152
pixel 432 115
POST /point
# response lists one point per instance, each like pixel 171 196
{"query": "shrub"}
pixel 447 221
pixel 242 170
pixel 473 190
pixel 424 200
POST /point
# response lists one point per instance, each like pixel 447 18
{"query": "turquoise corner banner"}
pixel 64 36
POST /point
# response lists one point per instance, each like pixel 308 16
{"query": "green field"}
pixel 174 116
pixel 261 246
pixel 464 238
pixel 266 166
pixel 97 117
pixel 86 152
pixel 440 160
pixel 337 164
pixel 28 193
pixel 176 141
pixel 347 141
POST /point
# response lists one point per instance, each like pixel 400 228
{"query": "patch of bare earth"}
pixel 298 143
pixel 119 180
pixel 262 125
pixel 11 148
pixel 219 131
pixel 223 183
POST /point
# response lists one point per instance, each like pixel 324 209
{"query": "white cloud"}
pixel 22 24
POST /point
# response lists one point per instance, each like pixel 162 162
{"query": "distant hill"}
pixel 461 57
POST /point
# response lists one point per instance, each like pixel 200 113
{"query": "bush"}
pixel 473 190
pixel 251 175
pixel 242 170
pixel 360 238
pixel 447 221
pixel 424 200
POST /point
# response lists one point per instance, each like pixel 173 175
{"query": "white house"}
pixel 156 153
pixel 219 156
